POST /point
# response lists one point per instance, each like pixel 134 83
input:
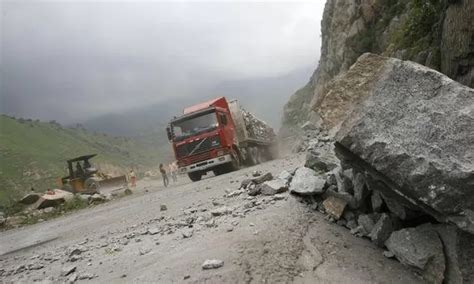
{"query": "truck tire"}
pixel 219 170
pixel 195 176
pixel 252 156
pixel 261 158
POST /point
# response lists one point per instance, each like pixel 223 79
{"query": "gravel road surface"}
pixel 269 239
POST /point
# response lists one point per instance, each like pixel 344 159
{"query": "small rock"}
pixel 285 175
pixel 279 197
pixel 163 207
pixel 187 277
pixel 144 251
pixel 235 193
pixel 245 183
pixel 262 179
pixel 360 189
pixel 221 211
pixel 255 191
pixel 273 187
pixel 187 233
pixel 395 207
pixel 306 182
pixel 68 270
pixel 256 173
pixel 388 254
pixel 35 266
pixel 212 264
pixel 351 224
pixel 153 231
pixel 376 200
pixel 382 230
pixel 334 206
pixel 72 278
pixel 97 198
pixel 74 258
pixel 85 276
pixel 367 223
pixel 321 164
pixel 344 183
pixel 49 210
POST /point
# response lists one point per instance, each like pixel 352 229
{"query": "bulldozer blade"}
pixel 115 182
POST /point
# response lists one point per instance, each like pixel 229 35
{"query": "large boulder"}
pixel 410 127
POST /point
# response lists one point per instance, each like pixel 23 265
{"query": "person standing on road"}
pixel 133 178
pixel 164 175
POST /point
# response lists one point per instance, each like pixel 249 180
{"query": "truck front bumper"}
pixel 204 165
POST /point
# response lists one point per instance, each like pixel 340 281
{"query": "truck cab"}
pixel 219 136
pixel 203 139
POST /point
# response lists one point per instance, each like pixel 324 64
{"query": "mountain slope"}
pixel 436 33
pixel 33 153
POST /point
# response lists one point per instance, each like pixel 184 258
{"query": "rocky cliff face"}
pixel 436 33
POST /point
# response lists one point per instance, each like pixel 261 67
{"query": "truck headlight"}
pixel 220 153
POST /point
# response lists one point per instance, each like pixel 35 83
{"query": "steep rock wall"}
pixel 436 33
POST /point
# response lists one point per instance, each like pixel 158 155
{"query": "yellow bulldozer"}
pixel 84 178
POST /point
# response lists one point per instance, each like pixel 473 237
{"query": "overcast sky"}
pixel 68 60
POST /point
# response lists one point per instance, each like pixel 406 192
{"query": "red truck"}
pixel 219 136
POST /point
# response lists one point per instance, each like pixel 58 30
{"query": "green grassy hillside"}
pixel 33 153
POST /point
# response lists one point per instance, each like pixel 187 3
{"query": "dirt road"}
pixel 259 239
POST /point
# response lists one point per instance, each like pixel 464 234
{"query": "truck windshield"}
pixel 195 125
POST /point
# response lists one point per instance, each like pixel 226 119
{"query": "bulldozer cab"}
pixel 81 175
pixel 81 167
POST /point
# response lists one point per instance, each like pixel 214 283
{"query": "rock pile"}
pixel 405 179
pixel 256 128
pixel 413 237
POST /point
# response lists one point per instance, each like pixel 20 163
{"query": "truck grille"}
pixel 185 149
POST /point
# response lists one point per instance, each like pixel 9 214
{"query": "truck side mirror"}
pixel 169 133
pixel 224 119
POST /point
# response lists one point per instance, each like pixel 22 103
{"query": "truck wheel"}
pixel 195 176
pixel 219 170
pixel 261 158
pixel 252 156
